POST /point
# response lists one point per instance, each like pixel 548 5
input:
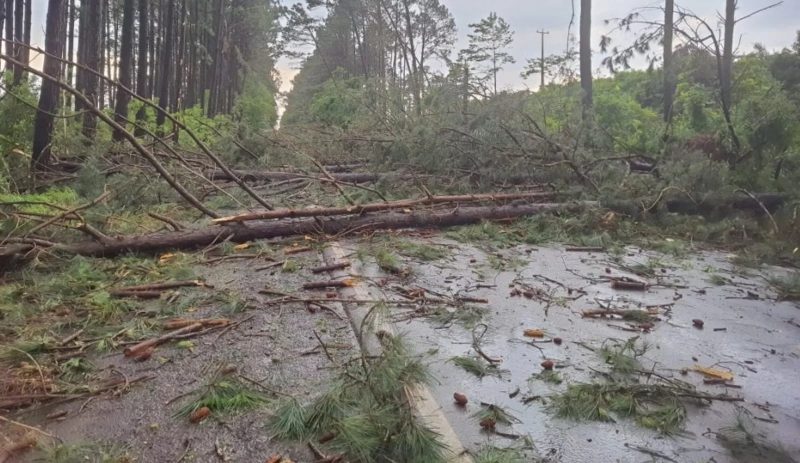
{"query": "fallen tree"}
pixel 264 175
pixel 238 233
pixel 377 207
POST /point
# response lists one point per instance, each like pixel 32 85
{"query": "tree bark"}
pixel 19 17
pixel 586 56
pixel 125 64
pixel 726 73
pixel 166 64
pixel 92 15
pixel 48 97
pixel 270 176
pixel 158 242
pixel 668 68
pixel 9 25
pixel 378 207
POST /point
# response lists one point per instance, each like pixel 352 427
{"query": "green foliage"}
pixel 255 110
pixel 368 412
pixel 477 366
pixel 623 357
pixel 223 394
pixel 16 132
pixel 87 452
pixel 499 455
pixel 338 102
pixel 653 407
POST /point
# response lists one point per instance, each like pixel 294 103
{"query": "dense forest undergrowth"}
pixel 153 121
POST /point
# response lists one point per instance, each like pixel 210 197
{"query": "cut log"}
pixel 237 233
pixel 377 207
pixel 346 177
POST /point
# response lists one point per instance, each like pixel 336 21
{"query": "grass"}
pixel 495 414
pixel 367 411
pixel 623 357
pixel 747 443
pixel 501 263
pixel 788 288
pixel 86 452
pixel 388 261
pixel 493 454
pixel 467 316
pixel 420 251
pixel 223 394
pixel 651 406
pixel 549 376
pixel 477 366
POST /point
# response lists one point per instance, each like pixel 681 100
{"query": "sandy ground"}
pixel 268 347
pixel 746 332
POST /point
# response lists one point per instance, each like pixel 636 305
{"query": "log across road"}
pixel 240 233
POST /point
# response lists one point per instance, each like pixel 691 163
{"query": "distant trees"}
pixel 488 42
pixel 391 43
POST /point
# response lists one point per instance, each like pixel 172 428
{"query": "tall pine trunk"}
pixel 166 65
pixel 586 56
pixel 48 97
pixel 19 17
pixel 92 15
pixel 141 65
pixel 125 65
pixel 669 71
pixel 726 74
pixel 9 26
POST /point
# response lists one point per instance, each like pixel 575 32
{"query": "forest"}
pixel 205 257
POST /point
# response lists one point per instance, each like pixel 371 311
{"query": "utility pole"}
pixel 542 34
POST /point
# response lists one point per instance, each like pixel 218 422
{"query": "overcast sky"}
pixel 774 28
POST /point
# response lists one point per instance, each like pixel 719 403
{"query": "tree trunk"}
pixel 92 15
pixel 19 17
pixel 166 68
pixel 48 97
pixel 726 73
pixel 379 207
pixel 158 242
pixel 415 81
pixel 141 66
pixel 125 64
pixel 70 49
pixel 9 25
pixel 586 56
pixel 668 70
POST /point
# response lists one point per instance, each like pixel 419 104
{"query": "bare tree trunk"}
pixel 92 15
pixel 726 72
pixel 586 56
pixel 19 17
pixel 166 68
pixel 9 31
pixel 2 17
pixel 415 81
pixel 48 98
pixel 70 48
pixel 125 64
pixel 669 71
pixel 141 66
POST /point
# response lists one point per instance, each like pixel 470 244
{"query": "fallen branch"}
pixel 377 207
pixel 330 268
pixel 143 346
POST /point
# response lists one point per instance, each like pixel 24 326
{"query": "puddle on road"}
pixel 756 339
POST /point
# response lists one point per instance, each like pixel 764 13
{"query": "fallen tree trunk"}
pixel 237 233
pixel 376 207
pixel 345 177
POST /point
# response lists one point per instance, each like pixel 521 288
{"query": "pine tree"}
pixel 488 42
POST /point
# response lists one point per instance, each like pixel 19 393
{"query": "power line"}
pixel 542 33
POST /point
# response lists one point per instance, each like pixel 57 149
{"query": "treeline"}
pixel 177 53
